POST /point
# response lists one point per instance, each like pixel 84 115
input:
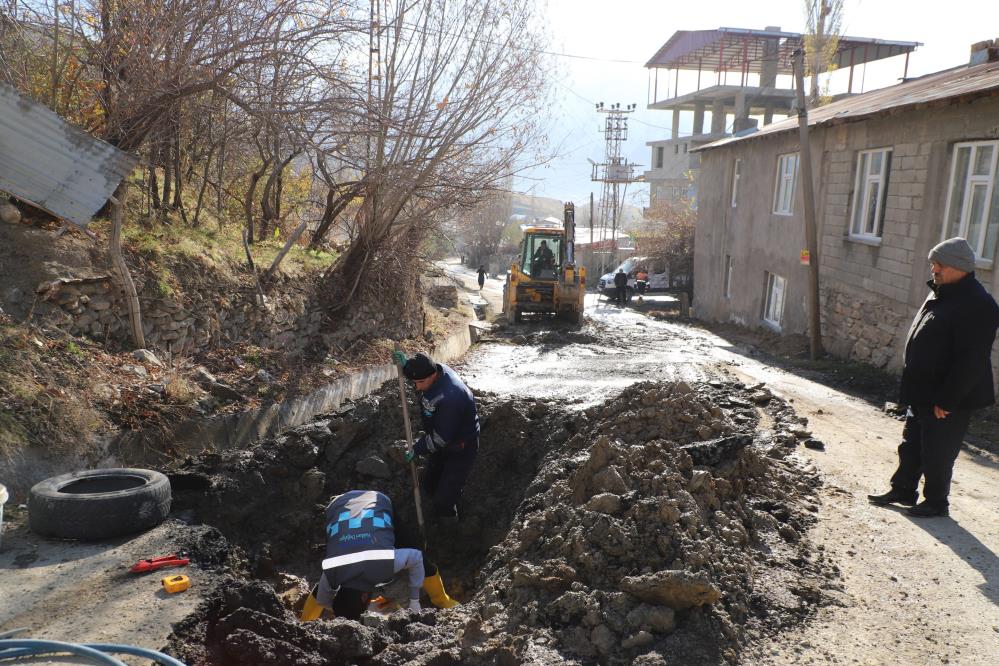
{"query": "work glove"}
pixel 422 445
pixel 414 604
pixel 399 358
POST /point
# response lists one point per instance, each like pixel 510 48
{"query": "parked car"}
pixel 658 276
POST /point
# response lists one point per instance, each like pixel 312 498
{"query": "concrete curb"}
pixel 246 428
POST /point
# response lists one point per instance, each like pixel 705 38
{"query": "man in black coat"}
pixel 620 287
pixel 947 374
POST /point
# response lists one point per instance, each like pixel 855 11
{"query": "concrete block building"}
pixel 896 171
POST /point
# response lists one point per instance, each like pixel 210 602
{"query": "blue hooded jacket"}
pixel 450 418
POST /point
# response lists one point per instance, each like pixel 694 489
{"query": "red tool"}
pixel 176 560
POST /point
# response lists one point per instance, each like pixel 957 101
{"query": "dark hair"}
pixel 349 603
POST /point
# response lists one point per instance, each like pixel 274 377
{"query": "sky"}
pixel 612 41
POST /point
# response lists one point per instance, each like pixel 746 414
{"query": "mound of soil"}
pixel 659 528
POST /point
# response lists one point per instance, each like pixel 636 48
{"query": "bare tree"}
pixel 823 26
pixel 667 234
pixel 458 104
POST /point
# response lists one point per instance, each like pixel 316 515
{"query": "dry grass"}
pixel 180 390
pixel 44 399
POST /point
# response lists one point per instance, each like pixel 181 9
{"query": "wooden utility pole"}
pixel 808 194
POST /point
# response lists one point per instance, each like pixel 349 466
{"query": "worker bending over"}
pixel 361 557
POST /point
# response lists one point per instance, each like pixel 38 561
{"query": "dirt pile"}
pixel 660 527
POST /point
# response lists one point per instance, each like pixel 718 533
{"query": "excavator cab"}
pixel 542 256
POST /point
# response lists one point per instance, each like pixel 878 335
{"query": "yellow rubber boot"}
pixel 435 588
pixel 312 608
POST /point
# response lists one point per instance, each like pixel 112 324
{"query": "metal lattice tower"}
pixel 613 172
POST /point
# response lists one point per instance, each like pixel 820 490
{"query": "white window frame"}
pixel 983 254
pixel 862 227
pixel 736 176
pixel 774 296
pixel 728 277
pixel 786 183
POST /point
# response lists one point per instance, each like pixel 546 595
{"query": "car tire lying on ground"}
pixel 98 503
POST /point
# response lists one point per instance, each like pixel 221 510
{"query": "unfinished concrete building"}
pixel 732 80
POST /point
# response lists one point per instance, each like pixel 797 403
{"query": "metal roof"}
pixel 49 163
pixel 733 49
pixel 963 81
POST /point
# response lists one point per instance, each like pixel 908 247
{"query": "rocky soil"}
pixel 667 525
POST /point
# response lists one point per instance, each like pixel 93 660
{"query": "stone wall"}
pixel 855 330
pixel 291 318
pixel 95 307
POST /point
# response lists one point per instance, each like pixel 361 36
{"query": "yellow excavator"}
pixel 546 280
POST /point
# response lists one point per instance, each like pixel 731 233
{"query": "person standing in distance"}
pixel 451 423
pixel 947 374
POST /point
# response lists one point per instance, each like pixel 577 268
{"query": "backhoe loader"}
pixel 546 280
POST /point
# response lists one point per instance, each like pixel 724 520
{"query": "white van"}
pixel 656 268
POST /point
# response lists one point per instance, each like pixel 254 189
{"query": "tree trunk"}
pixel 334 206
pixel 248 199
pixel 167 172
pixel 154 186
pixel 178 181
pixel 131 297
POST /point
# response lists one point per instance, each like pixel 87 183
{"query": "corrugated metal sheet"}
pixel 933 88
pixel 53 165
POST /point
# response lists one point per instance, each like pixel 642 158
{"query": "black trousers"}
pixel 929 449
pixel 621 294
pixel 445 476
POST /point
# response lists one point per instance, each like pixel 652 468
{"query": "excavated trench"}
pixel 663 526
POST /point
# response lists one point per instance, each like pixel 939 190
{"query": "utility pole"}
pixel 613 172
pixel 811 254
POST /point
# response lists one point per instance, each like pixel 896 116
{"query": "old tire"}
pixel 98 503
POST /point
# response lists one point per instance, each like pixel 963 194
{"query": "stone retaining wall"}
pixel 853 329
pixel 95 306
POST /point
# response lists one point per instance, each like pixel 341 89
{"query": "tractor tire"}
pixel 98 504
pixel 518 316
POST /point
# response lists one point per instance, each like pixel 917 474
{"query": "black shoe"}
pixel 894 496
pixel 927 510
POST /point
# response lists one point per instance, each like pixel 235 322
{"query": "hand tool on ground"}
pixel 174 584
pixel 175 560
pixel 409 442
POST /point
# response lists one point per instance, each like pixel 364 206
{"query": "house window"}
pixel 873 167
pixel 787 176
pixel 736 175
pixel 728 276
pixel 973 197
pixel 684 147
pixel 660 154
pixel 676 149
pixel 773 306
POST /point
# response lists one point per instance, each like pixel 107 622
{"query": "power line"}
pixel 528 49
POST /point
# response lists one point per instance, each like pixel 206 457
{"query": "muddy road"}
pixel 642 495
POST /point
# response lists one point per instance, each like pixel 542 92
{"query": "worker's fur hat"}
pixel 420 366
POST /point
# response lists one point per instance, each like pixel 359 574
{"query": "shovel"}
pixel 409 441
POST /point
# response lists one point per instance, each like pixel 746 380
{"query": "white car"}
pixel 658 276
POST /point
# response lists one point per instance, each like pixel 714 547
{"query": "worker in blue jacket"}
pixel 361 558
pixel 451 424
